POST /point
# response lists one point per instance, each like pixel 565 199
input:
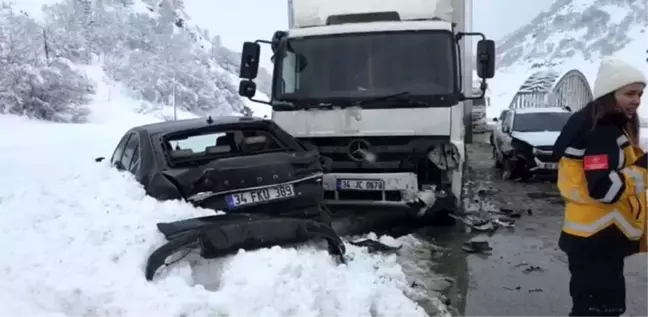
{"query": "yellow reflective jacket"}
pixel 603 178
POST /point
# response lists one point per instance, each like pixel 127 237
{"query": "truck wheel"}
pixel 439 213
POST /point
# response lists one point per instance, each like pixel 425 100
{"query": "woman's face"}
pixel 629 98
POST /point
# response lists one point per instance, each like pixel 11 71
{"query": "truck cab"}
pixel 382 90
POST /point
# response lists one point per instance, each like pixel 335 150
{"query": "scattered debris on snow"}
pixel 476 246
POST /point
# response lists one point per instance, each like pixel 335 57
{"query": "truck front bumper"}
pixel 400 190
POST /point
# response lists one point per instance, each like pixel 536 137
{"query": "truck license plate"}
pixel 260 195
pixel 361 184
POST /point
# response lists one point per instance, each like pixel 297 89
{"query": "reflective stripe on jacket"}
pixel 602 182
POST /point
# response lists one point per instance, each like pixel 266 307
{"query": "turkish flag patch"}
pixel 596 162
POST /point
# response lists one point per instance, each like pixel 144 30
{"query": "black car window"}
pixel 135 162
pixel 198 143
pixel 129 151
pixel 227 142
pixel 119 150
pixel 194 149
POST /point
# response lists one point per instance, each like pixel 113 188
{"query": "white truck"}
pixel 382 89
pixel 479 106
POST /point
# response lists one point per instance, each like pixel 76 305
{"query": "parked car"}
pixel 497 126
pixel 523 141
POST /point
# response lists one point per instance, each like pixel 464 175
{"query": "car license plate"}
pixel 361 184
pixel 551 166
pixel 260 195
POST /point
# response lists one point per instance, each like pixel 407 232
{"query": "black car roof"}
pixel 190 124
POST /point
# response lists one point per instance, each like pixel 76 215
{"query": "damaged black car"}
pixel 267 184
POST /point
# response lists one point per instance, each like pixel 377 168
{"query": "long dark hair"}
pixel 606 105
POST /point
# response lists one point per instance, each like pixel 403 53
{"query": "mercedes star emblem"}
pixel 358 150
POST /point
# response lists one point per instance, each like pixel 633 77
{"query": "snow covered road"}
pixel 76 235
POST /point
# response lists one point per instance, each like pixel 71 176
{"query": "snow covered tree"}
pixel 153 52
pixel 32 85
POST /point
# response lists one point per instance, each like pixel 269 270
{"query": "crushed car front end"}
pixel 544 161
pixel 268 187
pixel 254 168
pixel 282 184
pixel 533 159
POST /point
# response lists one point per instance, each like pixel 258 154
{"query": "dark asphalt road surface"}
pixel 500 284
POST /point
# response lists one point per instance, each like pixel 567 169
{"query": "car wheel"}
pixel 525 174
pixel 498 164
pixel 509 169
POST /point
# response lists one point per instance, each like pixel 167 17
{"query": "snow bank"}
pixel 77 235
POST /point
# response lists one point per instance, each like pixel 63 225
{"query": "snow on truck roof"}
pixel 309 13
pixel 539 110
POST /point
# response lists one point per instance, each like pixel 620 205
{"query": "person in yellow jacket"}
pixel 602 177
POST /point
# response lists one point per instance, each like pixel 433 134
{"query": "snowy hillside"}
pixel 148 46
pixel 571 34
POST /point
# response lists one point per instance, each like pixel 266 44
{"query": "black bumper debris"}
pixel 220 235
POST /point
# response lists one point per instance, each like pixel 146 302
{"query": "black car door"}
pixel 119 150
pixel 131 156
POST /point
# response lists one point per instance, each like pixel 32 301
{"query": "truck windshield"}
pixel 368 65
pixel 540 121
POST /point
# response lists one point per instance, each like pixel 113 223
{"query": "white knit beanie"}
pixel 614 74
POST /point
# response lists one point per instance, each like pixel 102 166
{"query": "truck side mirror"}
pixel 276 40
pixel 486 59
pixel 247 88
pixel 250 60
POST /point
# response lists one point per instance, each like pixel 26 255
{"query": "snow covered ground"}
pixel 77 233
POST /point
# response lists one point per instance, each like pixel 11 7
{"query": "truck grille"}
pixel 392 153
pixel 389 195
